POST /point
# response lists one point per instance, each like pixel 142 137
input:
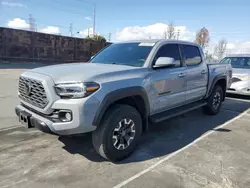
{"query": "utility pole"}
pixel 94 17
pixel 31 23
pixel 109 37
pixel 165 34
pixel 32 27
pixel 178 34
pixel 71 29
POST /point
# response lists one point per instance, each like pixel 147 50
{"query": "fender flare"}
pixel 120 94
pixel 215 80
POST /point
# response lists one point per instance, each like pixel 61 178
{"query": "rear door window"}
pixel 191 55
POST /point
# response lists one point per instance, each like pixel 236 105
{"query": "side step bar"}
pixel 156 118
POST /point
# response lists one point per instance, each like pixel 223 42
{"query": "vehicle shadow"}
pixel 238 96
pixel 81 144
pixel 166 137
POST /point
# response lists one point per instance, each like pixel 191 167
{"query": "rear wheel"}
pixel 118 134
pixel 214 101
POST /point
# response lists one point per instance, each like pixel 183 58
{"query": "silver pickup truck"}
pixel 120 91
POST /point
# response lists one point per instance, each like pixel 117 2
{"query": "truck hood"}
pixel 80 71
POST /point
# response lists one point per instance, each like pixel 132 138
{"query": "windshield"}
pixel 131 54
pixel 237 62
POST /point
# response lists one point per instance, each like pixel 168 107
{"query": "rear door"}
pixel 196 73
pixel 169 83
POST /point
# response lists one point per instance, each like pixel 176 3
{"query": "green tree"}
pixel 96 37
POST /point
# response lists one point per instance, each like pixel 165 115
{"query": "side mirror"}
pixel 164 62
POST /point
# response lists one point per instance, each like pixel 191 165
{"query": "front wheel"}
pixel 214 101
pixel 118 134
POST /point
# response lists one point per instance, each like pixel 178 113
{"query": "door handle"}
pixel 181 74
pixel 203 72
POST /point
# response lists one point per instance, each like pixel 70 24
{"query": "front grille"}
pixel 32 92
pixel 234 79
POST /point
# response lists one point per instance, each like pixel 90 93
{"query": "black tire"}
pixel 213 108
pixel 102 137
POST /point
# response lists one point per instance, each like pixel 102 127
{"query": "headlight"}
pixel 76 90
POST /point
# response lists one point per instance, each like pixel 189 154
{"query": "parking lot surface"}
pixel 192 150
pixel 9 74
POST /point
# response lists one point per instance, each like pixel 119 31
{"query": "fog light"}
pixel 65 116
pixel 68 116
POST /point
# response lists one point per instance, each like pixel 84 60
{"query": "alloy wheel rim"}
pixel 216 100
pixel 123 134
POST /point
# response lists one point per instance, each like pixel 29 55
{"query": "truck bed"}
pixel 216 70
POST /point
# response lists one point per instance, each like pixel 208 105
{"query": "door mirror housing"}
pixel 164 62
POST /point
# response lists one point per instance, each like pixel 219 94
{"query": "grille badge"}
pixel 27 88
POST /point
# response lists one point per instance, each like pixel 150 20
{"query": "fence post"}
pixel 55 49
pixel 33 46
pixel 74 49
pixel 5 45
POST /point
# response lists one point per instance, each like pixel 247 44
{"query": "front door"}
pixel 168 83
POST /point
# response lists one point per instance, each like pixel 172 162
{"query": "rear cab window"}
pixel 191 55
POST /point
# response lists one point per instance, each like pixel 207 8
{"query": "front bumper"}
pixel 83 111
pixel 240 88
pixel 34 122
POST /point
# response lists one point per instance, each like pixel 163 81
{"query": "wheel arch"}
pixel 219 80
pixel 135 96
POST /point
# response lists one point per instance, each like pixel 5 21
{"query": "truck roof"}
pixel 238 55
pixel 160 41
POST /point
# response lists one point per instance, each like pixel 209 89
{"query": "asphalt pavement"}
pixel 192 150
pixel 9 74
